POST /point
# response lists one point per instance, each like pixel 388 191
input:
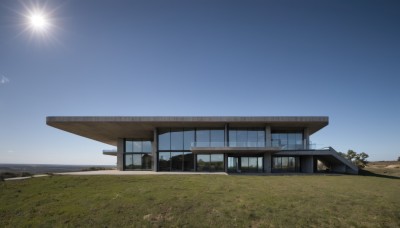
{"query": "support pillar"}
pixel 154 147
pixel 267 162
pixel 306 139
pixel 268 136
pixel 226 163
pixel 226 140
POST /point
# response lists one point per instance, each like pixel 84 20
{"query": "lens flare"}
pixel 38 21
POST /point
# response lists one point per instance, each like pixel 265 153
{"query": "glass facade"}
pixel 175 139
pixel 174 149
pixel 285 164
pixel 137 155
pixel 246 137
pixel 210 138
pixel 175 161
pixel 210 162
pixel 288 141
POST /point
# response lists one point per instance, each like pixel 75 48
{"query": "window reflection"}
pixel 285 164
pixel 147 146
pixel 164 139
pixel 188 161
pixel 137 146
pixel 175 161
pixel 203 162
pixel 128 161
pixel 128 146
pixel 138 161
pixel 251 164
pixel 217 138
pixel 164 161
pixel 288 141
pixel 246 137
pixel 176 139
pixel 217 163
pixel 188 137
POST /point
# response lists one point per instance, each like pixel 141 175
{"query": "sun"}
pixel 38 21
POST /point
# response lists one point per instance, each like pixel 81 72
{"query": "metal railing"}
pixel 255 144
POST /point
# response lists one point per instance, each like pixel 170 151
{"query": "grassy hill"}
pixel 201 200
pixel 383 168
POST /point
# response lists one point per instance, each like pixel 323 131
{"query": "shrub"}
pixel 359 159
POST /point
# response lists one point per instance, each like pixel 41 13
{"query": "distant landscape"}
pixel 45 168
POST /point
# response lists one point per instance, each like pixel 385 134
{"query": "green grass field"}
pixel 201 200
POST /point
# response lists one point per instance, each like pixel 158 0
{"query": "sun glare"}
pixel 38 21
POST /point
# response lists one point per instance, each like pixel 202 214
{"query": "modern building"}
pixel 237 144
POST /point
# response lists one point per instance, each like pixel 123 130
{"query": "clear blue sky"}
pixel 334 58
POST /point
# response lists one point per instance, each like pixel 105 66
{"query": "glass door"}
pixel 232 164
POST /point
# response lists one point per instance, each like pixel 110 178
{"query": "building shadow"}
pixel 363 172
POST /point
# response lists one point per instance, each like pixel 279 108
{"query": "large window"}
pixel 210 138
pixel 164 139
pixel 137 146
pixel 174 149
pixel 288 141
pixel 285 164
pixel 210 162
pixel 175 161
pixel 138 155
pixel 251 164
pixel 138 161
pixel 164 161
pixel 246 137
pixel 175 139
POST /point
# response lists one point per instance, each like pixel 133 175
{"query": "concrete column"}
pixel 120 154
pixel 267 162
pixel 306 138
pixel 268 136
pixel 154 147
pixel 226 135
pixel 226 162
pixel 307 164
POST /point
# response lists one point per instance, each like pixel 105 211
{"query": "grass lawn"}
pixel 201 200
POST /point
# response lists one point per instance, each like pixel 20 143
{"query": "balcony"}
pixel 247 147
pixel 110 152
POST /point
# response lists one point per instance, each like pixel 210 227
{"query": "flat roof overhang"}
pixel 108 129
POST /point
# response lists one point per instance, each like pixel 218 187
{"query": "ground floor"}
pixel 305 161
pixel 219 162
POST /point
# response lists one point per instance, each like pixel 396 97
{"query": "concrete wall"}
pixel 120 154
pixel 267 163
pixel 338 168
pixel 307 164
pixel 226 162
pixel 268 136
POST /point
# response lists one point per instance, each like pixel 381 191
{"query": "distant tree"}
pixel 398 159
pixel 359 159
